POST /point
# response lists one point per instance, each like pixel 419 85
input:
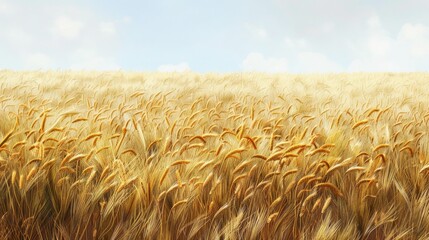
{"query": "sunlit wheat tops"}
pixel 90 155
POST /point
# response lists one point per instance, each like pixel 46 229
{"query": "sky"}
pixel 300 36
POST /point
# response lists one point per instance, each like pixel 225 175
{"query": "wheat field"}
pixel 121 155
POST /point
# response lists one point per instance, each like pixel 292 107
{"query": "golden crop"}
pixel 116 155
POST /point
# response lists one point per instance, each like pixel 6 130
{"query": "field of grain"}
pixel 117 155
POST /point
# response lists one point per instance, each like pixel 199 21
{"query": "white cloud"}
pixel 374 22
pixel 408 50
pixel 258 62
pixel 90 59
pixel 59 35
pixel 379 43
pixel 181 67
pixel 415 37
pixel 304 59
pixel 67 27
pixel 317 62
pixel 108 28
pixel 38 61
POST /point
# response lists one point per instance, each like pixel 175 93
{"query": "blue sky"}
pixel 216 36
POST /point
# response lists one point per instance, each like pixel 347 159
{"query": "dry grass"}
pixel 241 156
